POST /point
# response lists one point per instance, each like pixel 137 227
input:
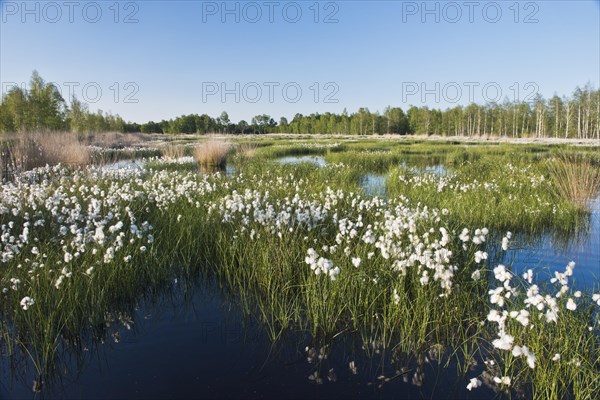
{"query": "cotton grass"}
pixel 302 249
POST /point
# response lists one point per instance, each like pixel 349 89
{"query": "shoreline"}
pixel 433 138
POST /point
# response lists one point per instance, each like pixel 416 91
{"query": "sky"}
pixel 154 59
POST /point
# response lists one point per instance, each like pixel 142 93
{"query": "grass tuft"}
pixel 247 150
pixel 213 153
pixel 575 177
pixel 32 150
pixel 172 152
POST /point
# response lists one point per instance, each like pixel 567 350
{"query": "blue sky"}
pixel 159 59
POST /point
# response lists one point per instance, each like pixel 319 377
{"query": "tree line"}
pixel 42 108
pixel 577 116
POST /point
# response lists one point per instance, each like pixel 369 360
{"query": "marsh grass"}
pixel 63 148
pixel 576 178
pixel 31 150
pixel 8 161
pixel 575 337
pixel 263 265
pixel 292 150
pixel 247 150
pixel 497 193
pixel 374 161
pixel 212 153
pixel 172 151
pixel 116 139
pixel 107 155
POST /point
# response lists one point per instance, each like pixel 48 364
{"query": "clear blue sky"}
pixel 378 53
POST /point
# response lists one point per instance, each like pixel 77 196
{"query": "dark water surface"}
pixel 552 252
pixel 204 347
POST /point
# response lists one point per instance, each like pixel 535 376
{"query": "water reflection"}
pixel 202 344
pixel 427 168
pixel 319 161
pixel 374 185
pixel 552 251
pixel 136 164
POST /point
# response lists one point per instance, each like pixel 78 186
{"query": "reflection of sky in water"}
pixel 437 169
pixel 552 253
pixel 124 164
pixel 319 161
pixel 230 170
pixel 374 185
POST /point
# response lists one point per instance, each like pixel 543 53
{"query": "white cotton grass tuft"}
pixel 528 276
pixel 505 380
pixel 321 265
pixel 474 383
pixel 524 352
pixel 480 256
pixel 353 367
pixel 502 274
pixel 59 282
pixel 505 241
pixel 27 302
pixel 522 316
pixel 504 342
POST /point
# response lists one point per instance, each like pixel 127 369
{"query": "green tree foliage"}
pixel 45 104
pixel 13 115
pixel 42 108
pixel 263 124
pixel 223 122
pixel 151 127
pixel 77 115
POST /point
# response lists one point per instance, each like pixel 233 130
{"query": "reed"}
pixel 213 153
pixel 575 177
pixel 172 152
pixel 31 150
pixel 247 150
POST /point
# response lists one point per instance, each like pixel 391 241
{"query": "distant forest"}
pixel 42 107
